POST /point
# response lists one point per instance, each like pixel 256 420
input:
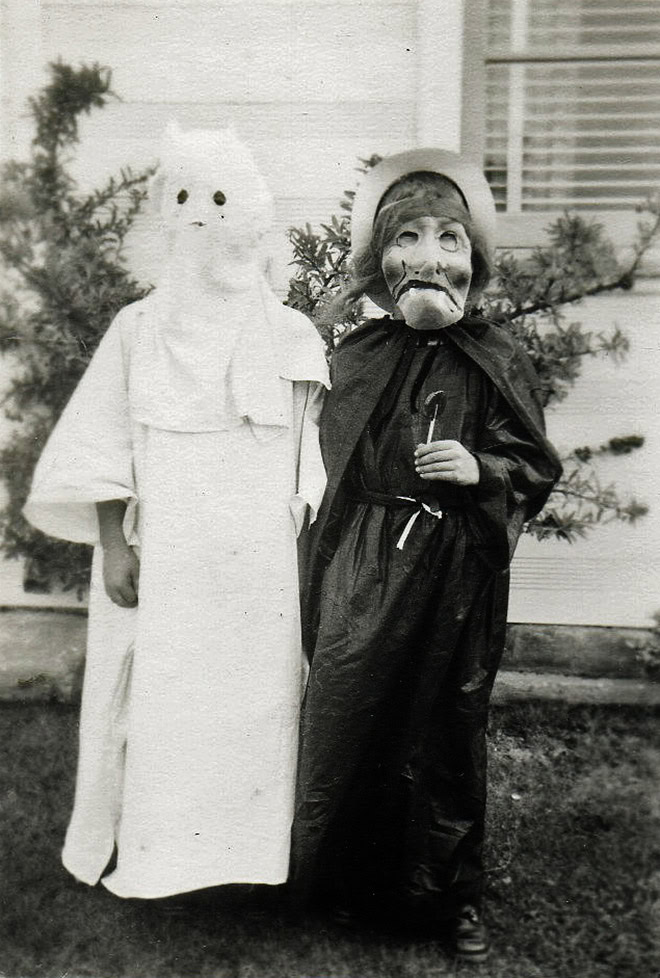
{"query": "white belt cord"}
pixel 411 522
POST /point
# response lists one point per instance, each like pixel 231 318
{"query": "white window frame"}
pixel 517 228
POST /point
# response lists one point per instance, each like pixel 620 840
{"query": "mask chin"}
pixel 430 309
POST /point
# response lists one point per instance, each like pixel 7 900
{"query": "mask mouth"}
pixel 198 224
pixel 416 283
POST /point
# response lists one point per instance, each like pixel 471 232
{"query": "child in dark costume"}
pixel 433 440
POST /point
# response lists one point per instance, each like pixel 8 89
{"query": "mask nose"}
pixel 427 266
pixel 426 257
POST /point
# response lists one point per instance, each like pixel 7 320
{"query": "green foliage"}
pixel 62 258
pixel 322 261
pixel 532 297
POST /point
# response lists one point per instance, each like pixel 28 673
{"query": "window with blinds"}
pixel 572 103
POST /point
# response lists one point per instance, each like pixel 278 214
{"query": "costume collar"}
pixel 210 369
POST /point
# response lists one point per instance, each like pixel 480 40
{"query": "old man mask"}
pixel 423 235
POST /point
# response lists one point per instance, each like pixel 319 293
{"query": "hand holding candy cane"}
pixel 434 405
pixel 447 460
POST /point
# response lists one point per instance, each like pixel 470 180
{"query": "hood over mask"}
pixel 216 344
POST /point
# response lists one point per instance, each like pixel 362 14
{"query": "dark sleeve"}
pixel 516 477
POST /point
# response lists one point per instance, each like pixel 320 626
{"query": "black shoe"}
pixel 470 937
pixel 172 907
pixel 343 917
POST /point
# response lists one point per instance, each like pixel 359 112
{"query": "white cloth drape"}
pixel 190 702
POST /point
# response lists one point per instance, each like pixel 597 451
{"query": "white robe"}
pixel 190 706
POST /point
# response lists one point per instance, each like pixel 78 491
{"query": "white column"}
pixel 22 72
pixel 439 74
pixel 516 124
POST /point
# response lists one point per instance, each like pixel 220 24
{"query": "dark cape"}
pixel 405 641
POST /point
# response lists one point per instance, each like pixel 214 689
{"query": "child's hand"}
pixel 121 572
pixel 447 461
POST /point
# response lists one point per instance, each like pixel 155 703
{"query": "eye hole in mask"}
pixel 449 241
pixel 219 198
pixel 182 197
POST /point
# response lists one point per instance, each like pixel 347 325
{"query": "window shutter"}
pixel 572 104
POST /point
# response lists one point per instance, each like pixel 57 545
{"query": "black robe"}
pixel 405 614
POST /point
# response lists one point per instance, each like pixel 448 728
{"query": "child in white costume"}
pixel 189 451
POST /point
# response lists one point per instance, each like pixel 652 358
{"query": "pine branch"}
pixel 647 235
pixel 63 257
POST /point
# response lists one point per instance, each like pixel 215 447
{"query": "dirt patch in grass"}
pixel 573 870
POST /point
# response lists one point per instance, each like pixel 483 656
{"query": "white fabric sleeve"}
pixel 311 478
pixel 88 457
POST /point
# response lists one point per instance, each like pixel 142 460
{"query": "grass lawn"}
pixel 573 884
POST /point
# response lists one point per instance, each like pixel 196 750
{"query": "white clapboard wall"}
pixel 611 577
pixel 312 86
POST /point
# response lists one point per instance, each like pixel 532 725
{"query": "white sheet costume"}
pixel 200 409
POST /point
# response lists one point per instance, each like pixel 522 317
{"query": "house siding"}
pixel 312 87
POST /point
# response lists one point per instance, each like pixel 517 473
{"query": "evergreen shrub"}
pixel 533 297
pixel 63 280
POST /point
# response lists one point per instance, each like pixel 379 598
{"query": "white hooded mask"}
pixel 209 354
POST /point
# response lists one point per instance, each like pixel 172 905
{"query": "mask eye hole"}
pixel 407 238
pixel 182 197
pixel 449 241
pixel 219 198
